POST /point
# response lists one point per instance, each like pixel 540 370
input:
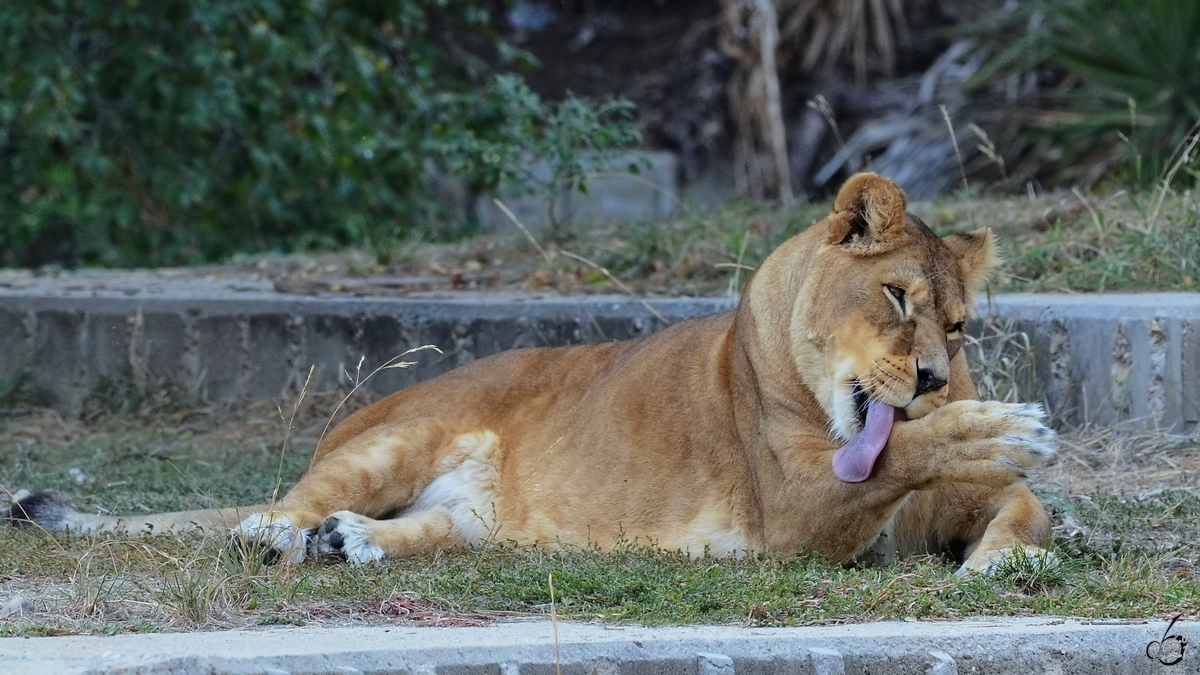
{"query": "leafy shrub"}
pixel 168 132
pixel 1123 75
pixel 523 129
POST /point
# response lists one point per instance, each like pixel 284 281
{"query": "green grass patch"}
pixel 137 469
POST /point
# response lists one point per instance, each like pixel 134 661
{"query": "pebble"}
pixel 18 605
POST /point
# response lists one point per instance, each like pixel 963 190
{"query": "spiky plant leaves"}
pixel 1137 69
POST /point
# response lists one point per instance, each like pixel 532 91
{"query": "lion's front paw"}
pixel 1028 559
pixel 1018 426
pixel 994 443
pixel 349 535
pixel 1022 434
pixel 272 536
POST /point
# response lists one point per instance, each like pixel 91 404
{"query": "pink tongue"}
pixel 854 461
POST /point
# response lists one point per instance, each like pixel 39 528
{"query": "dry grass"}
pixel 1063 242
pixel 1001 359
pixel 1139 464
pixel 1090 460
pixel 1085 243
pixel 1108 488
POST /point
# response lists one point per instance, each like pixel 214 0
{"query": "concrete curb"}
pixel 1103 359
pixel 1033 645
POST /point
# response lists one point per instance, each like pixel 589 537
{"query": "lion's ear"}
pixel 978 256
pixel 868 215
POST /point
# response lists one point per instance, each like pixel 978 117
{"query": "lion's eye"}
pixel 955 330
pixel 897 294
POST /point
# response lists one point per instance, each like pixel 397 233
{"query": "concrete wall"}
pixel 220 341
pixel 1127 359
pixel 993 645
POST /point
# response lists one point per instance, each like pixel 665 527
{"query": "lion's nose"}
pixel 927 381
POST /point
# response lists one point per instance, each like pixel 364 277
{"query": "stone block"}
pixel 500 334
pixel 272 340
pixel 614 195
pixel 222 355
pixel 160 350
pixel 381 342
pixel 330 341
pixel 106 350
pixel 1093 344
pixel 1189 371
pixel 58 373
pixel 1132 360
pixel 17 353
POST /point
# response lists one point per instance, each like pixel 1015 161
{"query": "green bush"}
pixel 173 132
pixel 1127 78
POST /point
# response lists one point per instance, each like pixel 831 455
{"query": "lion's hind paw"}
pixel 273 537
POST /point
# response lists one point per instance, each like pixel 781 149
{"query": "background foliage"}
pixel 169 132
pixel 1117 82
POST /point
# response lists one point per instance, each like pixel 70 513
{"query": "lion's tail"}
pixel 52 513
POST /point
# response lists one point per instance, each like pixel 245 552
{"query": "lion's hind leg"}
pixel 458 508
pixel 417 469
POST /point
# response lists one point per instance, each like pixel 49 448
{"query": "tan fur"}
pixel 712 435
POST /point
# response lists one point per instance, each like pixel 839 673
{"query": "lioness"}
pixel 832 411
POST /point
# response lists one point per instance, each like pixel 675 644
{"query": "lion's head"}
pixel 880 310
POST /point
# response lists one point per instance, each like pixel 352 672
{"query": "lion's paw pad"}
pixel 348 535
pixel 1031 449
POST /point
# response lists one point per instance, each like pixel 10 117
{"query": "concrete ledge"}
pixel 1131 359
pixel 1104 359
pixel 1038 645
pixel 218 340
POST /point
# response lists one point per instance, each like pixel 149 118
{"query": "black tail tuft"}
pixel 40 509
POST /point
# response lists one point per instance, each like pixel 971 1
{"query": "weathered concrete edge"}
pixel 529 648
pixel 229 344
pixel 1126 358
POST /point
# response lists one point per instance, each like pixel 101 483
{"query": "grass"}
pixel 1064 242
pixel 1074 243
pixel 1127 551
